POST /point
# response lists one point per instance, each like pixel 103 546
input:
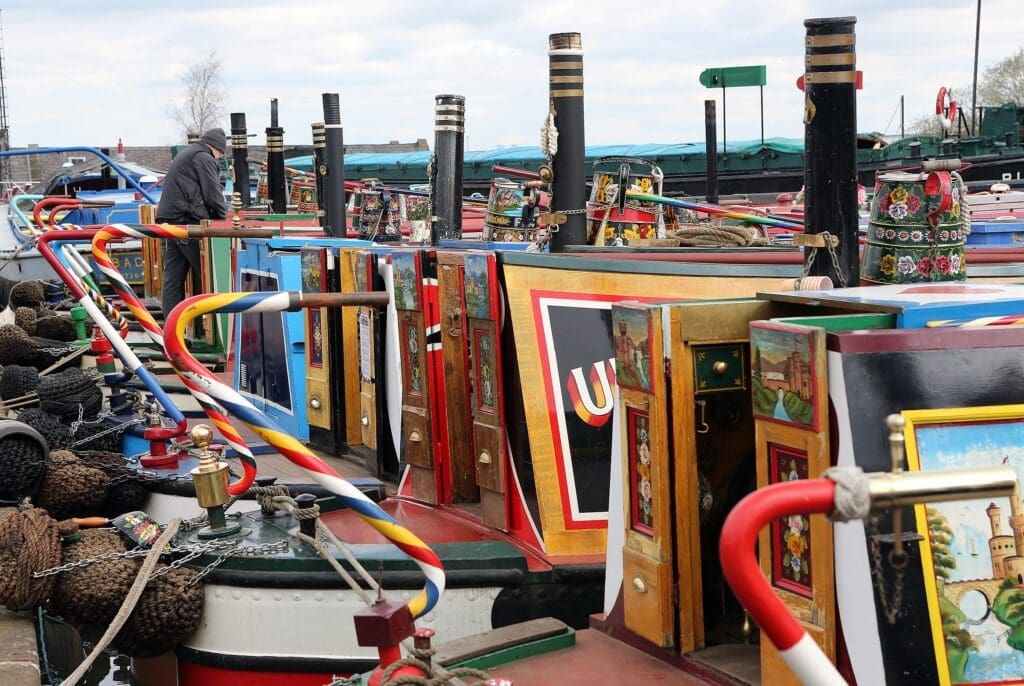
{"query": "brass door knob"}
pixel 364 420
pixel 638 584
pixel 485 457
pixel 720 367
pixel 415 437
pixel 314 403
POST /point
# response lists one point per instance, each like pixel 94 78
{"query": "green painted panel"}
pixel 719 368
pixel 522 652
pixel 734 77
pixel 845 322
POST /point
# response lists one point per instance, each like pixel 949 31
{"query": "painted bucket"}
pixel 380 219
pixel 262 188
pixel 505 220
pixel 612 218
pixel 303 194
pixel 417 211
pixel 916 232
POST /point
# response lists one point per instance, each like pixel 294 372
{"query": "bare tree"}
pixel 201 105
pixel 1003 81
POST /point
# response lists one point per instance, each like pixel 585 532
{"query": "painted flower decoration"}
pixel 796 544
pixel 795 523
pixel 916 235
pixel 888 265
pixel 924 266
pixel 944 235
pixel 880 233
pixel 904 235
pixel 890 234
pixel 943 264
pixel 906 265
pixel 898 211
pixel 955 264
pixel 899 195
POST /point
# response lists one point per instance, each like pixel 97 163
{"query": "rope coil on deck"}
pixel 29 541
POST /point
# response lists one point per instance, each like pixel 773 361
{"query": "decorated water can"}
pixel 380 218
pixel 510 213
pixel 916 231
pixel 613 218
pixel 303 194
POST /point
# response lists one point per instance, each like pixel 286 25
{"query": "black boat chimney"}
pixel 275 163
pixel 446 186
pixel 914 150
pixel 319 143
pixel 332 168
pixel 191 137
pixel 830 147
pixel 240 156
pixel 568 164
pixel 711 149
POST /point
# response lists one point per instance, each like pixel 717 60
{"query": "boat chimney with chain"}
pixel 568 158
pixel 319 144
pixel 830 150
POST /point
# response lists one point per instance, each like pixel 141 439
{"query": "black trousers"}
pixel 180 258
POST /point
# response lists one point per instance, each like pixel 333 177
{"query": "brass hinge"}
pixel 552 218
pixel 668 367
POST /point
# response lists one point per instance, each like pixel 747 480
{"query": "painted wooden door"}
pixel 712 430
pixel 790 407
pixel 483 322
pixel 455 344
pixel 417 431
pixel 367 326
pixel 647 587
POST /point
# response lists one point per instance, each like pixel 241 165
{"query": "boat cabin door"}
pixel 790 408
pixel 649 593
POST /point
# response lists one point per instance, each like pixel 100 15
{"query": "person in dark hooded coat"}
pixel 192 192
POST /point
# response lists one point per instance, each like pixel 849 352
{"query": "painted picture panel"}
pixel 641 491
pixel 783 379
pixel 631 328
pixel 405 266
pixel 413 360
pixel 486 372
pixel 478 280
pixel 791 536
pixel 973 550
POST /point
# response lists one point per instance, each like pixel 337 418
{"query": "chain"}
pixel 835 261
pixel 840 276
pixel 898 563
pixel 106 557
pixel 191 552
pixel 118 428
pixel 262 549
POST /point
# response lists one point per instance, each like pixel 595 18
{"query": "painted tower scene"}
pixel 977 555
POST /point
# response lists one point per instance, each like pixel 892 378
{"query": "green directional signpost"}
pixel 736 77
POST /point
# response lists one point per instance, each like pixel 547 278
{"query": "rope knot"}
pixel 852 497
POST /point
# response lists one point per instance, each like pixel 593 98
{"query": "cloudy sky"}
pixel 78 73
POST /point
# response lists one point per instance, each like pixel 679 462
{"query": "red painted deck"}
pixel 595 659
pixel 435 524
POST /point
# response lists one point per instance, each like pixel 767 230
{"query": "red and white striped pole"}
pixel 736 548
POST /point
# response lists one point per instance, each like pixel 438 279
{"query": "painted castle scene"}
pixel 977 552
pixel 783 375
